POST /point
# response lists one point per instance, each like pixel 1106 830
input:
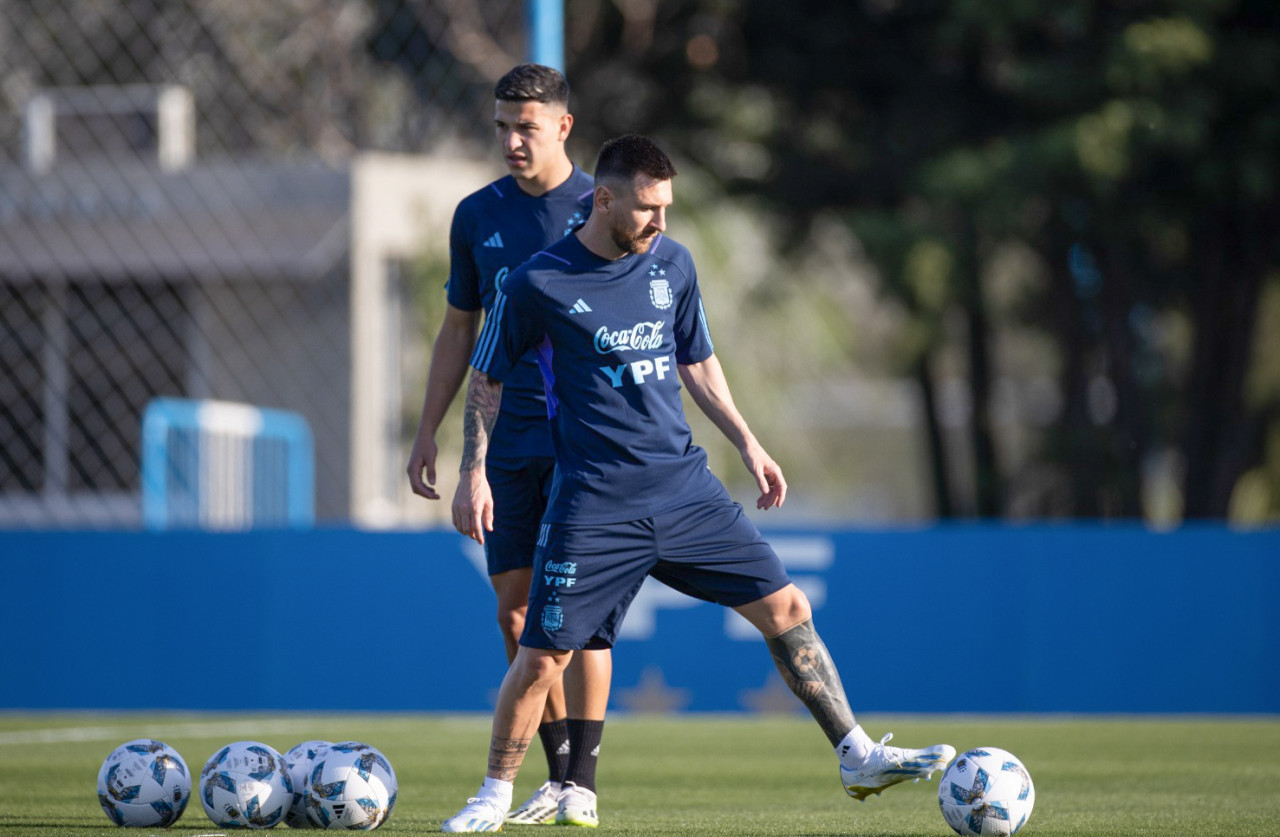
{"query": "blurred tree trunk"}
pixel 1232 260
pixel 1076 444
pixel 988 490
pixel 1129 438
pixel 939 472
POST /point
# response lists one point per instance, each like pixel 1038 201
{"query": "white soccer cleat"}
pixel 479 814
pixel 577 806
pixel 888 766
pixel 539 809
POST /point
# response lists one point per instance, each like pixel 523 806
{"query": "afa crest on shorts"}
pixel 552 618
pixel 660 294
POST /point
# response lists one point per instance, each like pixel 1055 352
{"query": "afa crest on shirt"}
pixel 660 294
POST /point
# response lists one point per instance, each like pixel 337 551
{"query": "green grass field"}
pixel 705 775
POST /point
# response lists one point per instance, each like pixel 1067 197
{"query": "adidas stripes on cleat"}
pixel 539 809
pixel 577 807
pixel 887 766
pixel 478 815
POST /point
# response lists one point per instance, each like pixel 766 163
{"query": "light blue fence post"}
pixel 546 32
pixel 222 465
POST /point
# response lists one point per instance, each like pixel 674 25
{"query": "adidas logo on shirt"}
pixel 494 240
pixel 580 307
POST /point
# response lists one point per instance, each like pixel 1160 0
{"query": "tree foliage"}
pixel 1130 147
pixel 1096 180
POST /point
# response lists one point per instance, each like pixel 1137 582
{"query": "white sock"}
pixel 854 748
pixel 498 790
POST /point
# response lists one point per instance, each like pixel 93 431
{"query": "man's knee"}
pixel 511 621
pixel 794 609
pixel 512 591
pixel 779 611
pixel 540 665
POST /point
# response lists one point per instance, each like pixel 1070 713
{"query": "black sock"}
pixel 584 747
pixel 555 743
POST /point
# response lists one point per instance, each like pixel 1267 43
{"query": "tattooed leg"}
pixel 505 757
pixel 806 666
pixel 519 709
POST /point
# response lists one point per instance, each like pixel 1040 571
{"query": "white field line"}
pixel 241 729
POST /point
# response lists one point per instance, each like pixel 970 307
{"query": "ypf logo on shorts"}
pixel 559 573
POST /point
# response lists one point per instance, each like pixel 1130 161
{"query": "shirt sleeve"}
pixel 693 337
pixel 463 288
pixel 511 329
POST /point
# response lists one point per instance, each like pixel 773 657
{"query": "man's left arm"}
pixel 473 500
pixel 710 390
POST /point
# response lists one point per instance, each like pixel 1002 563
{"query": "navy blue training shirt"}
pixel 494 231
pixel 609 335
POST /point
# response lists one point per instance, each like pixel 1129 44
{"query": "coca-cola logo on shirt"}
pixel 641 337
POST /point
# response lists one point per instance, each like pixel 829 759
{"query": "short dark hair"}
pixel 622 158
pixel 532 83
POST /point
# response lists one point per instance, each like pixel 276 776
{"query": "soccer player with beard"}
pixel 616 318
pixel 494 230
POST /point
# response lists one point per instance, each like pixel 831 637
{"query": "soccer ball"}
pixel 246 785
pixel 352 787
pixel 144 784
pixel 986 791
pixel 299 758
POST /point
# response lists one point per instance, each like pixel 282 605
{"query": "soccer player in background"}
pixel 616 317
pixel 494 230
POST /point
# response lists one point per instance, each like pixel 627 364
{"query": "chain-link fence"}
pixel 217 199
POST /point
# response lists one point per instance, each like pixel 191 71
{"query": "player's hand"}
pixel 423 459
pixel 769 478
pixel 473 505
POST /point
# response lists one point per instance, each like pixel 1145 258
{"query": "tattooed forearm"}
pixel 505 757
pixel 806 666
pixel 484 397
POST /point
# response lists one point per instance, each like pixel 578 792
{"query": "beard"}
pixel 633 243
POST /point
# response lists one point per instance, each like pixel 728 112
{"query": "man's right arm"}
pixel 449 363
pixel 510 329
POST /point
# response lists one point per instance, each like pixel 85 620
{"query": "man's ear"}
pixel 602 199
pixel 566 125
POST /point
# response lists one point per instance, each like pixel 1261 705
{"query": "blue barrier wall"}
pixel 963 619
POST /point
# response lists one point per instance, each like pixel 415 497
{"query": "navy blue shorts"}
pixel 586 576
pixel 520 492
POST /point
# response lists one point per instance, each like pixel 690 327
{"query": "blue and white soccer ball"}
pixel 144 783
pixel 352 787
pixel 986 791
pixel 299 758
pixel 246 785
